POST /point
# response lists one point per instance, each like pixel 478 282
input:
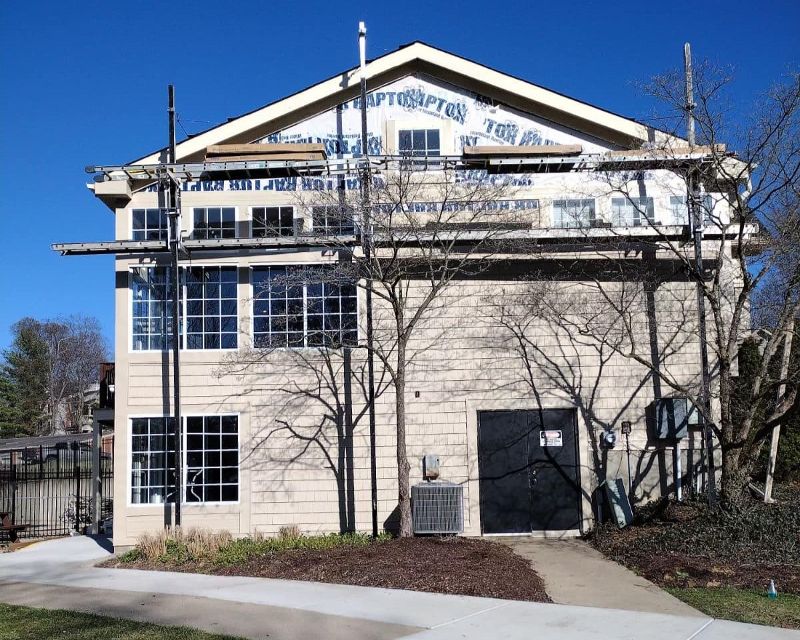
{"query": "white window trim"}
pixel 593 200
pixel 160 505
pixel 191 208
pixel 130 219
pixel 295 215
pixel 182 331
pixel 359 333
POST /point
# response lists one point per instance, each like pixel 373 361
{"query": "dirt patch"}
pixel 439 565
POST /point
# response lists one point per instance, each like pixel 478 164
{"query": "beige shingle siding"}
pixel 456 373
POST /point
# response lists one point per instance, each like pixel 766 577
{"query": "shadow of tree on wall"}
pixel 562 330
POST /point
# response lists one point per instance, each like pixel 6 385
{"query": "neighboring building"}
pixel 258 458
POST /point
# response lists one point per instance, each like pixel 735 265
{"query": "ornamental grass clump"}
pixel 186 546
pixel 179 545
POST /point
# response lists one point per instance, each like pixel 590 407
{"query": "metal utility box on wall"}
pixel 672 418
pixel 437 507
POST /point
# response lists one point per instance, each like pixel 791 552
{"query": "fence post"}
pixel 96 477
pixel 77 471
pixel 13 493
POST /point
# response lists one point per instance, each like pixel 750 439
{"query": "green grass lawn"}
pixel 26 623
pixel 744 606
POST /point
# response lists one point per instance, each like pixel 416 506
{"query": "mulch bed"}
pixel 439 565
pixel 685 546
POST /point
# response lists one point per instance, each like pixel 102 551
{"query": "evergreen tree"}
pixel 23 381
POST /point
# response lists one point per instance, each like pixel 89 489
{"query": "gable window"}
pixel 418 143
pixel 571 214
pixel 211 308
pixel 632 212
pixel 212 458
pixel 152 460
pixel 149 224
pixel 273 222
pixel 303 307
pixel 209 303
pixel 151 313
pixel 333 220
pixel 212 223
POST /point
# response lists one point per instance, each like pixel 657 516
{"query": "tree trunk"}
pixel 733 484
pixel 403 467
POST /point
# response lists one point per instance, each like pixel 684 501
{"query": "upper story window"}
pixel 211 223
pixel 273 222
pixel 149 224
pixel 211 308
pixel 151 314
pixel 333 220
pixel 680 209
pixel 419 143
pixel 209 303
pixel 571 214
pixel 632 212
pixel 303 307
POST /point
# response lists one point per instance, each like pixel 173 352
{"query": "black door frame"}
pixel 578 459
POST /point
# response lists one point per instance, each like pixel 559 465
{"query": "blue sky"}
pixel 85 83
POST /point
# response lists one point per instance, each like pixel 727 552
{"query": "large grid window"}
pixel 212 459
pixel 574 213
pixel 333 220
pixel 632 212
pixel 303 307
pixel 211 223
pixel 419 143
pixel 149 224
pixel 152 460
pixel 211 308
pixel 151 313
pixel 273 222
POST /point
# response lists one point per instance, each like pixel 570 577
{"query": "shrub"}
pixel 759 533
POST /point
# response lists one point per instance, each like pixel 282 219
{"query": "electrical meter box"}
pixel 430 466
pixel 672 418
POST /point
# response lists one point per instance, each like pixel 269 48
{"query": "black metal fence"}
pixel 49 488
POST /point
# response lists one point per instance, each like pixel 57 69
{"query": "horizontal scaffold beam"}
pixel 466 235
pixel 512 162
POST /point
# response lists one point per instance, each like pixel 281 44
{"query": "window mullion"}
pixel 305 313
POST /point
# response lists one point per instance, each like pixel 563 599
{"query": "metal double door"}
pixel 528 466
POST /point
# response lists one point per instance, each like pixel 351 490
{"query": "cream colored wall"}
pixel 460 368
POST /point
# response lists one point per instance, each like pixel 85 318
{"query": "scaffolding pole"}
pixel 174 212
pixel 366 235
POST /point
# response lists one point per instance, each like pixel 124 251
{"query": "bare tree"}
pixel 751 217
pixel 427 226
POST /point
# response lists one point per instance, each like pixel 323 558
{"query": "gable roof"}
pixel 417 57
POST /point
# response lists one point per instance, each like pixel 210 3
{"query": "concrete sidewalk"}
pixel 575 573
pixel 59 574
